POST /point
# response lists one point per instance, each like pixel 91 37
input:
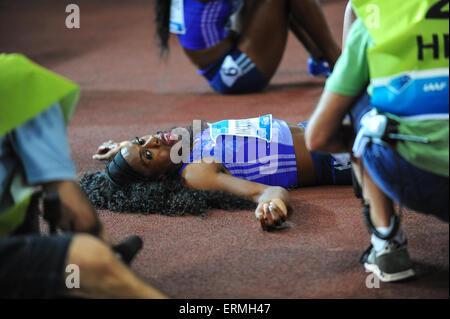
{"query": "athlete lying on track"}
pixel 232 171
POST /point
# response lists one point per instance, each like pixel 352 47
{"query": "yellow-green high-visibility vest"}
pixel 27 89
pixel 409 63
pixel 409 73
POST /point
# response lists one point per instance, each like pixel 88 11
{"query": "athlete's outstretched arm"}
pixel 272 201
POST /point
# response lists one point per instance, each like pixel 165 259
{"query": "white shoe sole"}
pixel 384 277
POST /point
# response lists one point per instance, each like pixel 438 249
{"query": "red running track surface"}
pixel 129 91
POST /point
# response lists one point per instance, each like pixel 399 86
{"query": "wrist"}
pixel 274 192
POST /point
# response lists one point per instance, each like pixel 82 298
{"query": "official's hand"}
pixel 271 213
pixel 108 150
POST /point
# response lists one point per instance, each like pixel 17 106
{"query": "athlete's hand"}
pixel 108 150
pixel 271 213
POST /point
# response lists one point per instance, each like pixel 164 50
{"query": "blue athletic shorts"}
pixel 41 147
pixel 415 188
pixel 328 170
pixel 235 73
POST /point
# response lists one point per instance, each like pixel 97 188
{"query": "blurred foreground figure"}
pixel 35 105
pixel 393 79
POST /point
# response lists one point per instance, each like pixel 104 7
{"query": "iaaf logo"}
pixel 432 87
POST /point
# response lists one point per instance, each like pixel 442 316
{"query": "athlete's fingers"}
pixel 281 214
pixel 259 213
pixel 98 157
pixel 268 216
pixel 107 144
pixel 274 211
pixel 261 216
pixel 278 214
pixel 102 150
pixel 281 207
pixel 105 156
pixel 264 220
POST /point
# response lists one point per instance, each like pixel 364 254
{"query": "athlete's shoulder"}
pixel 201 174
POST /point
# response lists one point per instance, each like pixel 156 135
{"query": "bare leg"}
pixel 78 215
pixel 306 40
pixel 264 33
pixel 263 29
pixel 309 15
pixel 381 206
pixel 102 275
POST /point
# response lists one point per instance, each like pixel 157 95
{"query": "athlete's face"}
pixel 150 155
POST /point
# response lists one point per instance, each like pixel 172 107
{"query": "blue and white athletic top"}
pixel 270 163
pixel 204 24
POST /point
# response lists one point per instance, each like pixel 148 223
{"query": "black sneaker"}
pixel 392 263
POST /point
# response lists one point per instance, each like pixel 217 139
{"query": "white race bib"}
pixel 177 25
pixel 259 127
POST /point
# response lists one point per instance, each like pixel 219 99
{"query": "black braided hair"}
pixel 168 197
pixel 162 20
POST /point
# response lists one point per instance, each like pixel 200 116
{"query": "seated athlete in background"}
pixel 245 59
pixel 255 170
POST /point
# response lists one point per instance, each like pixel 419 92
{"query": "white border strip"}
pixel 425 117
pixel 415 75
